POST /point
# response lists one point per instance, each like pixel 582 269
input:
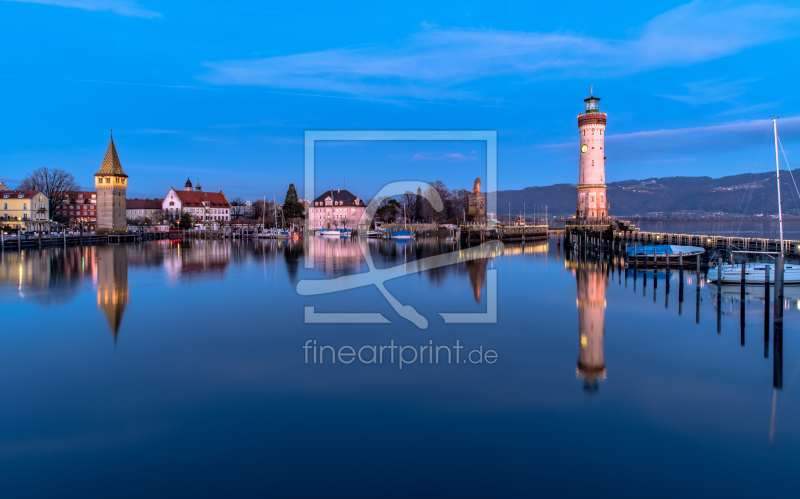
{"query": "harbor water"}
pixel 196 368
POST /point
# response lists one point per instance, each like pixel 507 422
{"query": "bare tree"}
pixel 261 210
pixel 54 183
pixel 409 200
pixel 158 217
pixel 237 206
pixel 460 202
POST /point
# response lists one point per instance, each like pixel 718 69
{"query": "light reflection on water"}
pixel 206 369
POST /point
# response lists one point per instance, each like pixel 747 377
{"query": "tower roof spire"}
pixel 591 90
pixel 111 164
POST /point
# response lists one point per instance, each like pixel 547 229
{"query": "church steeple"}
pixel 188 185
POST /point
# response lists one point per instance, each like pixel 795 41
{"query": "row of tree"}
pixel 417 208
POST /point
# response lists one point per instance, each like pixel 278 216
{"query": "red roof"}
pixel 143 204
pixel 16 194
pixel 198 198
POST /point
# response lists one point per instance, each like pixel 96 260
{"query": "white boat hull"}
pixel 754 273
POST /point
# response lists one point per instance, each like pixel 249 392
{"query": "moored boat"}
pixel 402 235
pixel 754 273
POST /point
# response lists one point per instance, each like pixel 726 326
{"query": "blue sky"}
pixel 223 91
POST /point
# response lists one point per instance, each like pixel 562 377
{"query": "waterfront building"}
pixel 204 207
pixel 592 202
pixel 111 183
pixel 144 209
pixel 80 206
pixel 25 210
pixel 336 209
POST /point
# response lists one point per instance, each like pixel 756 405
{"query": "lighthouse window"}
pixel 601 132
pixel 592 132
pixel 592 162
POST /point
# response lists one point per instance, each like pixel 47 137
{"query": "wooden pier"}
pixel 30 241
pixel 506 233
pixel 616 236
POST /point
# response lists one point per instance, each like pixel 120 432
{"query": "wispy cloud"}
pixel 212 139
pixel 156 131
pixel 120 7
pixel 708 91
pixel 439 62
pixel 456 156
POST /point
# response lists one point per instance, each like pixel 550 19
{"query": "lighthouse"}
pixel 592 203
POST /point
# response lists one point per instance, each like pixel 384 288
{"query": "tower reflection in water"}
pixel 112 284
pixel 591 280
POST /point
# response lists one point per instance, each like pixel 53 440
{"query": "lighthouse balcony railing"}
pixel 592 116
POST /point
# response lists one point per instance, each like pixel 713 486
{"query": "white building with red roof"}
pixel 204 207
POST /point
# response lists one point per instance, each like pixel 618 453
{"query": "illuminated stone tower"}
pixel 592 202
pixel 111 184
pixel 591 282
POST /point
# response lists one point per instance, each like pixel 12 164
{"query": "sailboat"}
pixel 756 272
pixel 403 234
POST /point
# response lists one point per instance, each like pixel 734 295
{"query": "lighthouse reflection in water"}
pixel 591 281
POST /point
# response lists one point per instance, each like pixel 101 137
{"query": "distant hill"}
pixel 745 194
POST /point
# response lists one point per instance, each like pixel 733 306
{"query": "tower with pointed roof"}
pixel 188 185
pixel 112 185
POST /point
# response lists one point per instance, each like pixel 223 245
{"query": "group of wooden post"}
pixel 586 243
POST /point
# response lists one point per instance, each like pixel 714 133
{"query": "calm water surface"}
pixel 169 368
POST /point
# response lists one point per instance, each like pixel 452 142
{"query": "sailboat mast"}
pixel 778 171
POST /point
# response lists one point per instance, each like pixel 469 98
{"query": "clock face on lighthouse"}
pixel 584 148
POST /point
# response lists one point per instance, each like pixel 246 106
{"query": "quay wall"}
pixel 14 243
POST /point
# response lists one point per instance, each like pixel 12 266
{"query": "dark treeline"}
pixel 455 204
